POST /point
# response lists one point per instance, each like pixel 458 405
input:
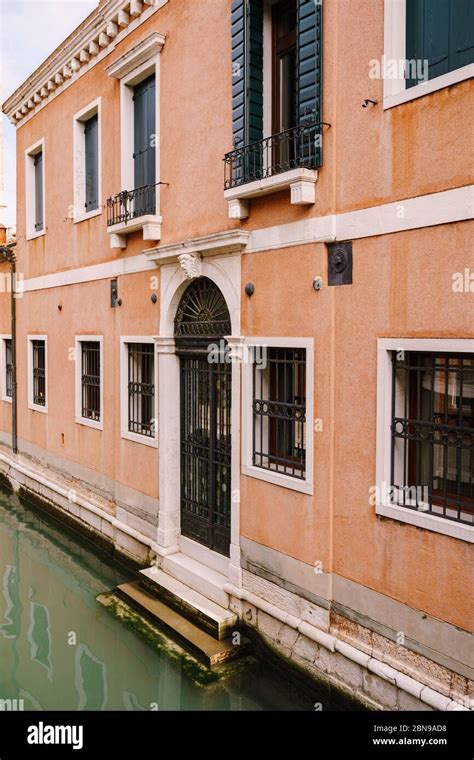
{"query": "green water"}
pixel 61 650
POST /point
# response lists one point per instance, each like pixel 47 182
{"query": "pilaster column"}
pixel 236 344
pixel 168 444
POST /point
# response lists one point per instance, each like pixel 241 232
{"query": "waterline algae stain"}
pixel 62 650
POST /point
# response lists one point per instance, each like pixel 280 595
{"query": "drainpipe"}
pixel 7 254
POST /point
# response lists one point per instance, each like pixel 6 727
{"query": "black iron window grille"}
pixel 8 368
pixel 90 380
pixel 432 456
pixel 279 412
pixel 141 389
pixel 39 372
pixel 131 204
pixel 293 148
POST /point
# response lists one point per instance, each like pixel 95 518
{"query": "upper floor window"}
pixel 144 135
pixel 429 44
pixel 87 161
pixel 34 190
pixel 276 97
pixel 440 33
pixel 37 373
pixel 38 162
pixel 135 204
pixel 91 130
pixel 284 66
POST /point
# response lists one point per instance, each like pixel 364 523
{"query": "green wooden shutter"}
pixel 309 72
pixel 247 71
pixel 144 129
pixel 238 24
pixel 436 37
pixel 414 36
pixel 91 131
pixel 461 30
pixel 441 32
pixel 39 221
pixel 144 147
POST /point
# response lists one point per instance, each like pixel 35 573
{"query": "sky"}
pixel 29 31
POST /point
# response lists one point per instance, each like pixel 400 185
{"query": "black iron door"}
pixel 206 382
pixel 205 452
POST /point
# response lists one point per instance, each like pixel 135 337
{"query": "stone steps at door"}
pixel 206 581
pixel 216 620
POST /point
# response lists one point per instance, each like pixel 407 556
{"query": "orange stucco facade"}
pixel 402 283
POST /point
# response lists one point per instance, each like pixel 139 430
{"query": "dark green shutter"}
pixel 461 30
pixel 144 131
pixel 309 69
pixel 247 71
pixel 91 130
pixel 414 35
pixel 238 71
pixel 38 161
pixel 436 37
pixel 441 32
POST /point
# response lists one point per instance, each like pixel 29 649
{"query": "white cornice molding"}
pixel 78 55
pixel 143 51
pixel 229 241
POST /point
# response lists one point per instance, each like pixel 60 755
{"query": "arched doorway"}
pixel 202 319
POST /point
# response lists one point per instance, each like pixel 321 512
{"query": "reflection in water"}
pixel 61 650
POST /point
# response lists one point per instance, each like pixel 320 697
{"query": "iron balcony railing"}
pixel 130 204
pixel 293 148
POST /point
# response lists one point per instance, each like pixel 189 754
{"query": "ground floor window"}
pixel 8 368
pixel 141 388
pixel 432 433
pixel 91 380
pixel 279 411
pixel 37 373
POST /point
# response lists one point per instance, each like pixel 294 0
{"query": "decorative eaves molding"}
pixel 143 51
pixel 229 241
pixel 94 39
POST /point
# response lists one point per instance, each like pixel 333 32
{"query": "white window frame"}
pixel 30 197
pixel 383 506
pixel 3 369
pixel 80 420
pixel 31 405
pixel 248 468
pixel 79 148
pixel 394 90
pixel 125 340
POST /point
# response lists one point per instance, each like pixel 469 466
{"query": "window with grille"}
pixel 91 380
pixel 432 452
pixel 279 411
pixel 39 372
pixel 8 368
pixel 141 388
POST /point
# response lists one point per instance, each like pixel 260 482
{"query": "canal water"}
pixel 61 650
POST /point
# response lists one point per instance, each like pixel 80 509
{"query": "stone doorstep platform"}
pixel 207 649
pixel 205 613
